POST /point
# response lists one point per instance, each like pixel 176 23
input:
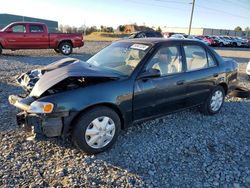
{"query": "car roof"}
pixel 158 40
pixel 147 32
pixel 26 23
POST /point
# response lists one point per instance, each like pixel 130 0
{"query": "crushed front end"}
pixel 44 110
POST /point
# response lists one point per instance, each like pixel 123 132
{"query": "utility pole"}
pixel 191 19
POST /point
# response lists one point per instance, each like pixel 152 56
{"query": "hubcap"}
pixel 100 132
pixel 66 49
pixel 216 100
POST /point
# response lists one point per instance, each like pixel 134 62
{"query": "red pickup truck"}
pixel 32 35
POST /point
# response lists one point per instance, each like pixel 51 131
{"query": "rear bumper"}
pixel 78 44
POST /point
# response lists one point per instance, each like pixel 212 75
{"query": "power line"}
pixel 221 11
pixel 174 2
pixel 238 3
pixel 156 5
pixel 178 8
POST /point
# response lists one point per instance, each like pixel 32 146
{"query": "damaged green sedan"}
pixel 126 82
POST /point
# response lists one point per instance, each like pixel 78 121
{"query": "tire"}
pixel 1 49
pixel 240 92
pixel 214 102
pixel 88 133
pixel 57 50
pixel 65 48
pixel 221 44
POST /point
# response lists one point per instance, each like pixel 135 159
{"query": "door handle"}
pixel 216 74
pixel 180 82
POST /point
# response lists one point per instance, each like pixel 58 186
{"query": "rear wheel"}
pixel 96 130
pixel 221 44
pixel 65 48
pixel 1 50
pixel 214 101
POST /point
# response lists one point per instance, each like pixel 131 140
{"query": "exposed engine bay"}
pixel 62 75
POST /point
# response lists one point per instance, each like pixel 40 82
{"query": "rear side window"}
pixel 18 29
pixel 166 60
pixel 36 29
pixel 197 58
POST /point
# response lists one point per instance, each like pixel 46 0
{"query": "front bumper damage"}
pixel 40 124
pixel 50 125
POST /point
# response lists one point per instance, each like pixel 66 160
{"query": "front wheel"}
pixel 1 49
pixel 65 48
pixel 214 101
pixel 96 130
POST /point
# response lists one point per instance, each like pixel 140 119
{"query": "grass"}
pixel 102 36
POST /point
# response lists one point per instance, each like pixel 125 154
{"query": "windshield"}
pixel 120 57
pixel 3 29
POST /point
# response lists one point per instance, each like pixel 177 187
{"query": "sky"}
pixel 217 14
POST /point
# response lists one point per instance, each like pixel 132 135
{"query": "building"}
pixel 206 31
pixel 6 19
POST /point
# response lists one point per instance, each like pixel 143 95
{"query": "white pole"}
pixel 191 19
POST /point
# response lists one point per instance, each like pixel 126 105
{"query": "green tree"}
pixel 90 30
pixel 238 28
pixel 159 29
pixel 247 29
pixel 102 28
pixel 109 29
pixel 121 28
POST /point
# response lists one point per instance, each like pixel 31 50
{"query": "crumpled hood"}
pixel 65 68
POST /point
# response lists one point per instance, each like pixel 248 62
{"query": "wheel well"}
pixel 69 41
pixel 224 85
pixel 109 105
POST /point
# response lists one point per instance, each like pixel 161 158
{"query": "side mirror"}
pixel 151 73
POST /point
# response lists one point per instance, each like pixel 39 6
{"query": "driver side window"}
pixel 18 29
pixel 167 60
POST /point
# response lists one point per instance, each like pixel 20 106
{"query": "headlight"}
pixel 41 107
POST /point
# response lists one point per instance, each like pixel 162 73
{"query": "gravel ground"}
pixel 185 149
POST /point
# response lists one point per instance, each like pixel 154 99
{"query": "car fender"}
pixel 114 93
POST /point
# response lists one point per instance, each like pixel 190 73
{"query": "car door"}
pixel 37 36
pixel 155 96
pixel 16 36
pixel 201 73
